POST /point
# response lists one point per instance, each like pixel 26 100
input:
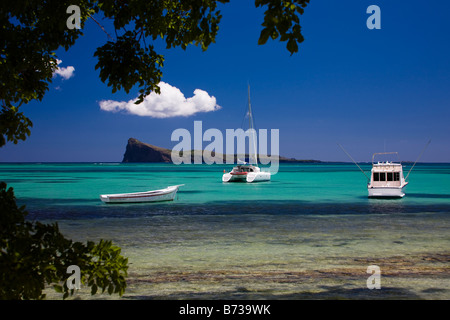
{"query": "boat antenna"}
pixel 429 141
pixel 353 161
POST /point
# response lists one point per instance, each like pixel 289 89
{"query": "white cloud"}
pixel 171 102
pixel 65 73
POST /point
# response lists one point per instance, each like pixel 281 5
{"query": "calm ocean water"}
pixel 310 233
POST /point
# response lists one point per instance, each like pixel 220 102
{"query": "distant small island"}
pixel 137 151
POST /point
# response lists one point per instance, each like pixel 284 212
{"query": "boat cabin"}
pixel 387 174
pixel 244 169
pixel 386 179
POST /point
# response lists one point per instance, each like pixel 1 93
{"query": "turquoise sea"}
pixel 309 233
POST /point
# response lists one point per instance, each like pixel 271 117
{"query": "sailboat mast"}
pixel 252 133
pixel 250 119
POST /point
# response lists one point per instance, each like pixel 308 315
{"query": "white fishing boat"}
pixel 248 172
pixel 166 194
pixel 386 180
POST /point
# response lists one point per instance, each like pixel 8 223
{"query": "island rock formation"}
pixel 137 151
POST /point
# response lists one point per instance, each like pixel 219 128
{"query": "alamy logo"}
pixel 374 281
pixel 74 281
pixel 249 144
pixel 74 20
pixel 374 21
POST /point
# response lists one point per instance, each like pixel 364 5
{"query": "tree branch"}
pixel 109 36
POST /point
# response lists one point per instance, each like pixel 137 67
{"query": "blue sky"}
pixel 370 90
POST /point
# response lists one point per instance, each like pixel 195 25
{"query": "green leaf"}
pixel 265 33
pixel 274 34
pixel 292 46
pixel 58 288
pixel 94 289
pixel 110 289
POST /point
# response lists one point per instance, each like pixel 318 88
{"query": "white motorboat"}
pixel 248 172
pixel 386 180
pixel 166 194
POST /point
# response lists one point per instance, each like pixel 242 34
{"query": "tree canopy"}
pixel 34 255
pixel 33 30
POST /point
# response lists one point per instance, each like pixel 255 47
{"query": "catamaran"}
pixel 248 172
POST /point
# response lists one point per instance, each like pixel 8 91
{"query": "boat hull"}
pixel 249 177
pixel 258 176
pixel 167 194
pixel 228 177
pixel 386 192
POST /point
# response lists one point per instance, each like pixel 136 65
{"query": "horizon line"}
pixel 306 161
